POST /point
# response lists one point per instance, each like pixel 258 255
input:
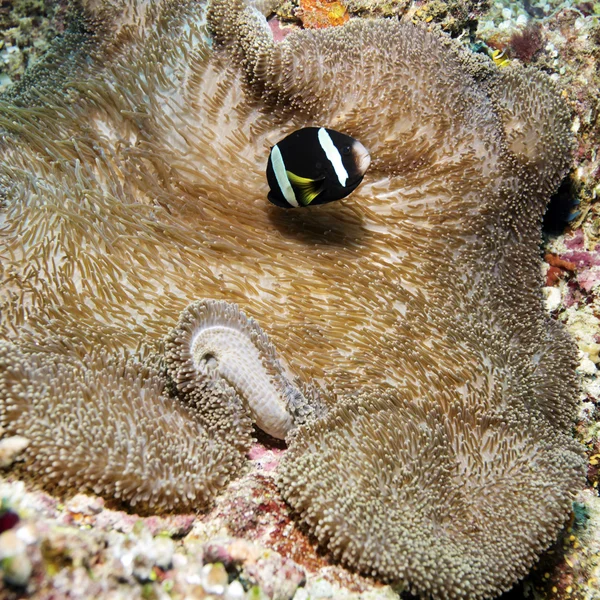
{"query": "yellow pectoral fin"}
pixel 308 189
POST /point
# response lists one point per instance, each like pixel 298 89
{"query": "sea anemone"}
pixel 414 305
pixel 215 339
pixel 107 424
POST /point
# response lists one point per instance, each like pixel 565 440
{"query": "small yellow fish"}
pixel 500 58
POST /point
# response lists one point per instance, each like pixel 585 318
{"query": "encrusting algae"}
pixel 139 187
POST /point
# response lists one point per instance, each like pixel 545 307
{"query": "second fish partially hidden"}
pixel 315 165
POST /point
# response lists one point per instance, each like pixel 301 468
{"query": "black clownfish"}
pixel 315 165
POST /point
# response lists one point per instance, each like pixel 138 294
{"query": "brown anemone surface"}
pixel 135 184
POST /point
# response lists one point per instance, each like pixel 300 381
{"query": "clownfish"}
pixel 315 165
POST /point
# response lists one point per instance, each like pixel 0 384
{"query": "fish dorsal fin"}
pixel 308 189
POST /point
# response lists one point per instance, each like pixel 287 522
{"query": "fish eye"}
pixel 318 165
pixel 346 150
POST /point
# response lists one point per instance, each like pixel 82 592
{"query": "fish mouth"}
pixel 361 156
pixel 353 183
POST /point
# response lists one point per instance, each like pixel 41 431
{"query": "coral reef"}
pixel 139 187
pixel 317 14
pixel 454 17
pixel 571 571
pixel 525 44
pixel 27 28
pixel 82 549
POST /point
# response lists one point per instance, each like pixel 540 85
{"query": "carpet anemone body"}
pixel 415 304
pixel 107 424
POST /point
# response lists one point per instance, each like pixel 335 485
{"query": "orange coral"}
pixel 556 261
pixel 317 14
pixel 558 268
